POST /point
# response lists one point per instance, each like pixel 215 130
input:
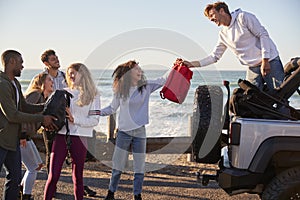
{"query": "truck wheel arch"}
pixel 273 146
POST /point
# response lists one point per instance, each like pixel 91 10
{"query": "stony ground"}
pixel 176 181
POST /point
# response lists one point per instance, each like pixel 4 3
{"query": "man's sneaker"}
pixel 138 197
pixel 88 192
pixel 110 195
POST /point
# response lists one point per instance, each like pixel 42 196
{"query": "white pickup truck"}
pixel 264 158
pixel 259 155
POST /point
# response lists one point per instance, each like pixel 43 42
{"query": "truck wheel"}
pixel 286 185
pixel 207 124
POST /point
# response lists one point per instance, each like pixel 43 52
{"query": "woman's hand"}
pixel 23 143
pixel 69 115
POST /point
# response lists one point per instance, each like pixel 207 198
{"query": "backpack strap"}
pixel 68 137
pixel 68 142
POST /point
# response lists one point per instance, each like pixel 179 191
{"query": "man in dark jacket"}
pixel 13 111
pixel 52 65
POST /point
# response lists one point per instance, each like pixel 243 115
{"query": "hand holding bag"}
pixel 178 83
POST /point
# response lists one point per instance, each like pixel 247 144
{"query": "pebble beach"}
pixel 176 181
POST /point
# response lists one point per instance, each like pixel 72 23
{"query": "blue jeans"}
pixel 11 160
pixel 137 140
pixel 273 80
pixel 31 159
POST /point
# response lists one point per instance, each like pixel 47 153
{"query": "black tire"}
pixel 286 185
pixel 207 122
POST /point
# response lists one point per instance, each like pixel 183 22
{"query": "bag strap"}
pixel 68 142
pixel 68 137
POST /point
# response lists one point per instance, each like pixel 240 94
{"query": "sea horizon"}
pixel 167 119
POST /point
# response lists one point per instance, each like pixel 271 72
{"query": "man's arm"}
pixel 9 108
pixel 216 54
pixel 192 64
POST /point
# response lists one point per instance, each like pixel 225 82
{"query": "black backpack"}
pixel 56 106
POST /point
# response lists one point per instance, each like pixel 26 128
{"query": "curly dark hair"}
pixel 46 54
pixel 122 79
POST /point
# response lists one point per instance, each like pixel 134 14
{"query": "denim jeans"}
pixel 31 159
pixel 137 140
pixel 11 160
pixel 272 80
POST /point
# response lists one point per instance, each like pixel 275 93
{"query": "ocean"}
pixel 167 119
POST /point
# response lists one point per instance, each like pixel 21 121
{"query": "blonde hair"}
pixel 87 88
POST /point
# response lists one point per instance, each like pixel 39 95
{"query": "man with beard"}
pixel 13 111
pixel 52 66
pixel 248 39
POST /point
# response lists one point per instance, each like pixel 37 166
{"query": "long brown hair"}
pixel 122 79
pixel 37 84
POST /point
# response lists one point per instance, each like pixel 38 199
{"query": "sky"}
pixel 76 29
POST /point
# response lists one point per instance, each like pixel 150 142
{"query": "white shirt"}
pixel 17 93
pixel 246 38
pixel 83 122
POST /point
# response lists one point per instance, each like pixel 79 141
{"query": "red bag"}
pixel 177 84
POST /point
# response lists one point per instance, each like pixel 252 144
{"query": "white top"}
pixel 246 38
pixel 134 111
pixel 17 93
pixel 83 122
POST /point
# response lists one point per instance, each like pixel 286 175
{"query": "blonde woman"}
pixel 39 91
pixel 86 98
